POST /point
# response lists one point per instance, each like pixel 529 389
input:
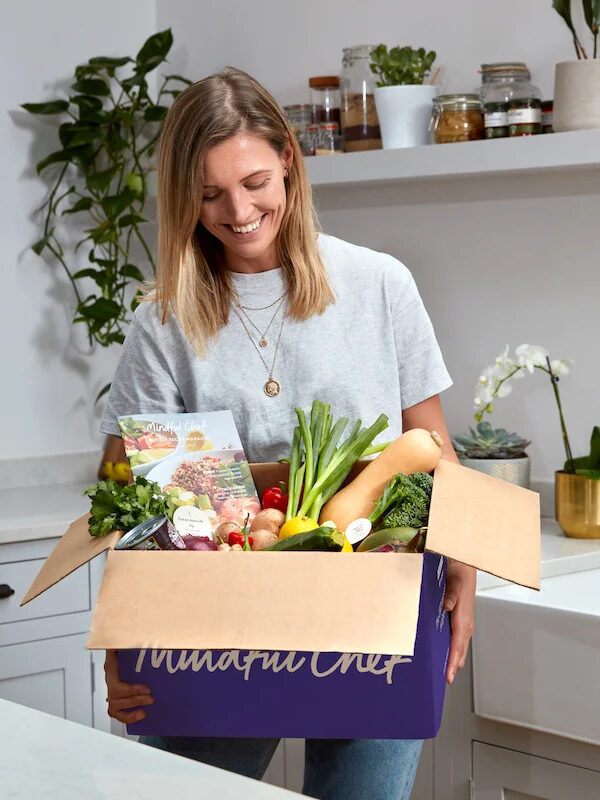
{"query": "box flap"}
pixel 364 603
pixel 75 548
pixel 485 522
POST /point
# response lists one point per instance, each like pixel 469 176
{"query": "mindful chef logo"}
pixel 321 665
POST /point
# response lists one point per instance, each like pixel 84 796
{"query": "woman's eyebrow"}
pixel 252 175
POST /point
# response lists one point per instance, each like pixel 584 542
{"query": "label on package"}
pixel 524 116
pixel 496 119
pixel 357 530
pixel 191 521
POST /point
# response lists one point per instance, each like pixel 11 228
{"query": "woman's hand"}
pixel 459 600
pixel 124 695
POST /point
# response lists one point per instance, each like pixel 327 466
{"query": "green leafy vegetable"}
pixel 116 507
pixel 404 502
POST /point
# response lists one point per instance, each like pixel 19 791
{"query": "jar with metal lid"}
pixel 299 116
pixel 501 83
pixel 360 124
pixel 457 118
pixel 325 98
pixel 330 140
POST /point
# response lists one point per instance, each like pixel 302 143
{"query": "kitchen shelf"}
pixel 557 152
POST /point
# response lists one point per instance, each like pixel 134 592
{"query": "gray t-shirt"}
pixel 373 351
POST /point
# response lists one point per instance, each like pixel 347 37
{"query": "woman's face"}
pixel 244 200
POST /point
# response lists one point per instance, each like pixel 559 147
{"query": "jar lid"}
pixel 323 81
pixel 359 50
pixel 467 100
pixel 505 66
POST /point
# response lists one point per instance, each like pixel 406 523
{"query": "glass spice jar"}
pixel 325 98
pixel 501 82
pixel 524 116
pixel 457 118
pixel 547 114
pixel 360 124
pixel 330 140
pixel 299 116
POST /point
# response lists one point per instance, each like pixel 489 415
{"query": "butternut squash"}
pixel 417 450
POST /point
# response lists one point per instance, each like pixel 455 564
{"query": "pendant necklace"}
pixel 272 387
pixel 263 341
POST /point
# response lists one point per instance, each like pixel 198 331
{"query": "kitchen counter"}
pixel 43 756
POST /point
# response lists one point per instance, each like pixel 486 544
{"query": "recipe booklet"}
pixel 196 458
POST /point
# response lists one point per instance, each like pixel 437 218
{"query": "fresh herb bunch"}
pixel 404 502
pixel 121 508
pixel 401 65
pixel 591 12
pixel 107 146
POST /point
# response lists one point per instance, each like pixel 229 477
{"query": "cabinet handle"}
pixel 5 591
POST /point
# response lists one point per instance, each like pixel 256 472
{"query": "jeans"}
pixel 334 769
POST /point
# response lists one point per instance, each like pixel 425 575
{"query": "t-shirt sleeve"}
pixel 420 362
pixel 142 383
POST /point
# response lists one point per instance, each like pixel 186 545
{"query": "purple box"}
pixel 298 694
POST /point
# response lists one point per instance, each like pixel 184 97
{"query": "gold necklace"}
pixel 261 308
pixel 272 387
pixel 263 341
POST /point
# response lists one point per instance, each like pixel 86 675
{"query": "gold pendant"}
pixel 263 342
pixel 272 388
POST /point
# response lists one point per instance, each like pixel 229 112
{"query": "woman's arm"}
pixel 460 578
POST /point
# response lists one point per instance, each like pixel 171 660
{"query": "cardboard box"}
pixel 301 644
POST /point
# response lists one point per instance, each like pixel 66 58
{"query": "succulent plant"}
pixel 488 442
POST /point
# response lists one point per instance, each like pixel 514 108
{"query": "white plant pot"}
pixel 513 470
pixel 577 95
pixel 404 114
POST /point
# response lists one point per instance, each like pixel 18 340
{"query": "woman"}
pixel 256 311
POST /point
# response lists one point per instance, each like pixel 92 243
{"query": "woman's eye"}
pixel 258 186
pixel 209 198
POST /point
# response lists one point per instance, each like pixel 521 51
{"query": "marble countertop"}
pixel 46 757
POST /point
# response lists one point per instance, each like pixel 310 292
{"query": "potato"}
pixel 222 531
pixel 270 520
pixel 263 538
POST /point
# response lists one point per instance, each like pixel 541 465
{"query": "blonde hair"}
pixel 190 279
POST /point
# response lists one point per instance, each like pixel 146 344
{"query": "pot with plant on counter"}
pixel 496 452
pixel 402 98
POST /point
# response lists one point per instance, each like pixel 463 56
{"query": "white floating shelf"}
pixel 544 153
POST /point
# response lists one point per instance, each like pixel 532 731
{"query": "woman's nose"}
pixel 240 209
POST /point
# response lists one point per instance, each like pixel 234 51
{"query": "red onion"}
pixel 199 543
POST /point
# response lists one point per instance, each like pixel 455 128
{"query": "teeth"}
pixel 247 228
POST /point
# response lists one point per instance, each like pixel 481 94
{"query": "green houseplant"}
pixel 577 83
pixel 402 98
pixel 107 144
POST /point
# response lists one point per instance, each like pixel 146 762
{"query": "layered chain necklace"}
pixel 272 387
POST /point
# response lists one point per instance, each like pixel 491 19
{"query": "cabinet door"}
pixel 501 774
pixel 53 675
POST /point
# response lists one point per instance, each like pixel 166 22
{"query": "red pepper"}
pixel 276 497
pixel 238 537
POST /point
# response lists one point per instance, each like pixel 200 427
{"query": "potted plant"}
pixel 402 98
pixel 495 452
pixel 577 484
pixel 577 83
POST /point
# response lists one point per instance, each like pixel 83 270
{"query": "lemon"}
pixel 297 525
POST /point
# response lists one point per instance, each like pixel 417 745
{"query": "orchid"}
pixel 494 381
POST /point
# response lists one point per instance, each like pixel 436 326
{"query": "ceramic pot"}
pixel 577 505
pixel 577 95
pixel 512 470
pixel 404 114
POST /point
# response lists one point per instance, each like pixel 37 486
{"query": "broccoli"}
pixel 405 501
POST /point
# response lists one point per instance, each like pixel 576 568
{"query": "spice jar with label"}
pixel 524 116
pixel 330 140
pixel 360 124
pixel 325 98
pixel 457 118
pixel 501 83
pixel 299 117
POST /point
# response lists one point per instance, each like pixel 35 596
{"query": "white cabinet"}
pixel 502 774
pixel 43 660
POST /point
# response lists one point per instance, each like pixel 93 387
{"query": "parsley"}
pixel 116 507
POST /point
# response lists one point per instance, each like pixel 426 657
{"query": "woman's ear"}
pixel 288 156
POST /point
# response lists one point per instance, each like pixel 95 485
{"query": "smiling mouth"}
pixel 246 229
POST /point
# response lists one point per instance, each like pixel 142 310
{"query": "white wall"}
pixel 499 261
pixel 50 379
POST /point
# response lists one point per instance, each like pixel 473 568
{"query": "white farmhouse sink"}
pixel 536 656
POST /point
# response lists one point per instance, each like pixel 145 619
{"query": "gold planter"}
pixel 577 504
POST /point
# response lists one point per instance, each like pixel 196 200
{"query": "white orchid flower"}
pixel 502 358
pixel 487 376
pixel 504 390
pixel 561 366
pixel 530 356
pixel 485 394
